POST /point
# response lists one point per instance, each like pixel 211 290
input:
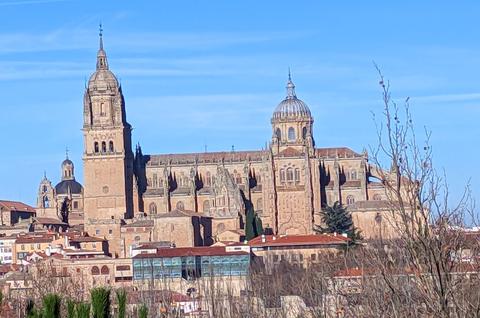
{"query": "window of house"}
pixel 110 231
pixel 313 257
pixel 350 199
pixel 97 232
pixel 75 204
pixel 291 134
pixel 95 147
pixel 282 175
pixel 22 247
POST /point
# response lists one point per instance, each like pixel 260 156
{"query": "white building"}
pixel 6 249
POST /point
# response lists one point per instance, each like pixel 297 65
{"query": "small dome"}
pixel 102 79
pixel 291 106
pixel 64 186
pixel 67 162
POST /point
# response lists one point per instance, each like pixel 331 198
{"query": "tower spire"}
pixel 102 63
pixel 290 87
pixel 100 34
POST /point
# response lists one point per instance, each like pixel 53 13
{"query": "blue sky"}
pixel 198 73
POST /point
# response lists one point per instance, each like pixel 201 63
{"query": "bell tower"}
pixel 107 156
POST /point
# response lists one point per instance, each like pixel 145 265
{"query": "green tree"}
pixel 71 309
pixel 253 224
pixel 122 302
pixel 336 219
pixel 31 311
pixel 142 311
pixel 100 299
pixel 82 310
pixel 51 306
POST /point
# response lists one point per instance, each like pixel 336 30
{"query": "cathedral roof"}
pixel 206 157
pixel 68 186
pixel 291 106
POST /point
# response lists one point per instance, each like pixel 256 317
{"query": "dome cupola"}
pixel 291 106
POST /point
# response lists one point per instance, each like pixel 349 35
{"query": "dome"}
pixel 291 106
pixel 68 185
pixel 102 79
pixel 67 162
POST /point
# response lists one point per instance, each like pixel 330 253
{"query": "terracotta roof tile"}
pixel 205 157
pixel 16 206
pixel 341 152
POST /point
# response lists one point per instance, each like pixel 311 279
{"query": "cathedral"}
pixel 197 198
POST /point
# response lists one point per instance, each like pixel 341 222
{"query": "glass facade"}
pixel 190 267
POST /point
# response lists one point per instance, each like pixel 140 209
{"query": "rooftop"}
pixel 191 251
pixel 293 240
pixel 16 206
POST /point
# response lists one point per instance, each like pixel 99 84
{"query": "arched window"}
pixel 289 174
pixel 152 208
pixel 95 147
pixel 350 199
pixel 282 175
pixel 110 146
pixel 102 109
pixel 46 202
pixel 297 175
pixel 259 206
pixel 353 175
pixel 208 180
pixel 45 189
pixel 105 270
pixel 95 270
pixel 304 132
pixel 104 147
pixel 206 206
pixel 291 134
pixel 278 133
pixel 180 205
pixel 377 197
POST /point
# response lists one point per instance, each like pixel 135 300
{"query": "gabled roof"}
pixel 337 152
pixel 16 206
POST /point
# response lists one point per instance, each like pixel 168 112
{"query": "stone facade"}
pixel 192 199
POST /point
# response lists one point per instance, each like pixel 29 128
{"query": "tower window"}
pixel 104 146
pixel 208 180
pixel 110 146
pixel 289 174
pixel 291 133
pixel 304 132
pixel 350 199
pixel 102 109
pixel 278 133
pixel 75 205
pixel 152 208
pixel 282 175
pixel 206 206
pixel 297 175
pixel 95 147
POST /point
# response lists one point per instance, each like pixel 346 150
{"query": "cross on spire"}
pixel 66 152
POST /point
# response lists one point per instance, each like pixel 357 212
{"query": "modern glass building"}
pixel 191 263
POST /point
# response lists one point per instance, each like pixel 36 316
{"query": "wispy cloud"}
pixel 446 98
pixel 27 2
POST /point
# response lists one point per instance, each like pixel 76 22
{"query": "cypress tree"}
pixel 100 299
pixel 122 302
